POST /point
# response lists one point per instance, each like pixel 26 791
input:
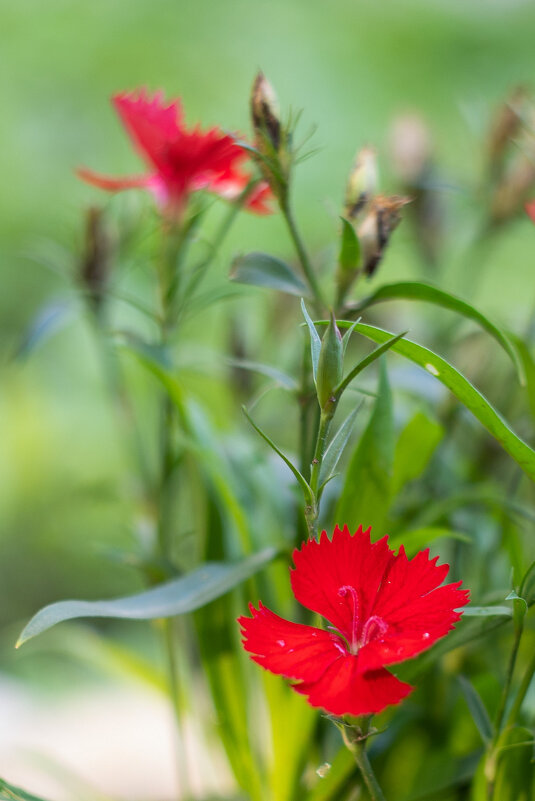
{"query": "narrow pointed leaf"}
pixel 260 269
pixel 9 792
pixel 277 375
pixel 50 320
pixel 369 359
pixel 418 539
pixel 349 256
pixel 303 483
pixel 315 341
pixel 477 709
pixel 336 446
pixel 463 390
pixel 176 597
pixel 416 290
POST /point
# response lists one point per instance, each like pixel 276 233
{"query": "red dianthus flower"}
pixel 180 160
pixel 384 608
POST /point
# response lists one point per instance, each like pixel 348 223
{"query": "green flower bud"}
pixel 330 365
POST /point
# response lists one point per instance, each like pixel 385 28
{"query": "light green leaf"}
pixel 515 768
pixel 487 611
pixel 336 446
pixel 315 341
pixel 366 495
pixel 260 269
pixel 416 290
pixel 176 597
pixel 414 448
pixel 349 256
pixel 277 375
pixel 366 361
pixel 463 390
pixel 49 320
pixel 477 710
pixel 527 587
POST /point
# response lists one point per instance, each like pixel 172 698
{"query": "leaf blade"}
pixel 260 269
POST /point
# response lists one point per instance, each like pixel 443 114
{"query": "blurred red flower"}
pixel 384 608
pixel 180 160
pixel 530 208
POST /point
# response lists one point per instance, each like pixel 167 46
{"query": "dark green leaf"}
pixel 366 495
pixel 176 597
pixel 349 256
pixel 463 391
pixel 527 587
pixel 260 269
pixel 514 765
pixel 10 793
pixel 477 710
pixel 415 290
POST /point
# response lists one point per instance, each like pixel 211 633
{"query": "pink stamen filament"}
pixel 347 589
pixel 372 621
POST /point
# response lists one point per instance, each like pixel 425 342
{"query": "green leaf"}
pixel 527 587
pixel 514 765
pixel 10 793
pixel 336 446
pixel 349 256
pixel 366 495
pixel 277 375
pixel 415 446
pixel 477 710
pixel 369 359
pixel 260 269
pixel 330 787
pixel 315 341
pixel 528 363
pixel 416 290
pixel 49 320
pixel 487 611
pixel 303 483
pixel 176 597
pixel 419 538
pixel 463 390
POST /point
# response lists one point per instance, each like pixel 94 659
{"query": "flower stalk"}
pixel 355 738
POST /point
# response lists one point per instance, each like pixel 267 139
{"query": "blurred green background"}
pixel 351 65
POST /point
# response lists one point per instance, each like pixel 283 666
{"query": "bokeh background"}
pixel 352 66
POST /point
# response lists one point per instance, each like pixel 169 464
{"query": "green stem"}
pixel 304 260
pixel 174 691
pixel 508 679
pixel 522 691
pixel 370 780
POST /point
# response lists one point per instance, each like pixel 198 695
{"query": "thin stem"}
pixel 508 679
pixel 319 451
pixel 370 780
pixel 304 260
pixel 522 691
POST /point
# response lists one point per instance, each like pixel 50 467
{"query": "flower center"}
pixel 373 628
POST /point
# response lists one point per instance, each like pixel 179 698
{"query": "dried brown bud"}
pixel 362 183
pixel 375 230
pixel 95 263
pixel 514 188
pixel 507 123
pixel 265 113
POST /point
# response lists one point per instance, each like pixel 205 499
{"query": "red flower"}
pixel 530 208
pixel 180 160
pixel 384 608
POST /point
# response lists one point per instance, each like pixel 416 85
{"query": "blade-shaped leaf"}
pixel 349 255
pixel 463 390
pixel 51 319
pixel 176 597
pixel 315 341
pixel 10 793
pixel 515 769
pixel 417 539
pixel 277 375
pixel 477 710
pixel 336 446
pixel 303 483
pixel 369 359
pixel 260 269
pixel 414 448
pixel 416 290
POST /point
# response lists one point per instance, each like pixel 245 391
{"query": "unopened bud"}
pixel 411 148
pixel 376 229
pixel 509 195
pixel 330 365
pixel 362 183
pixel 265 113
pixel 95 263
pixel 507 123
